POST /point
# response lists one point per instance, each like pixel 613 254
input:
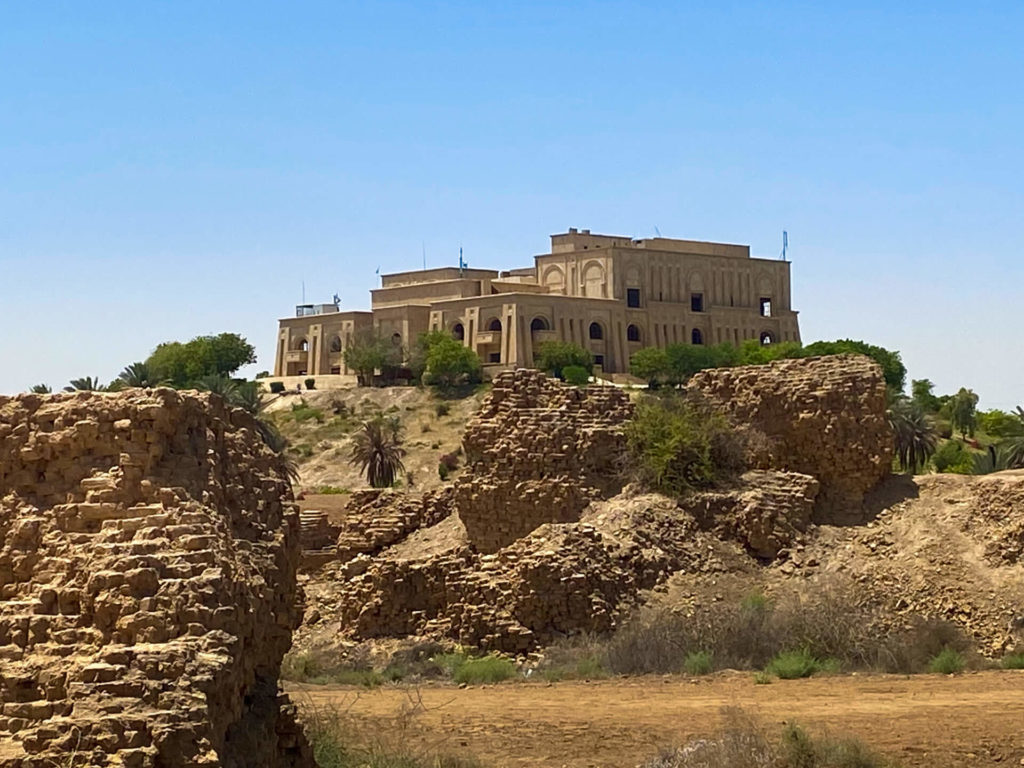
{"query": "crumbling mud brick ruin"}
pixel 823 416
pixel 148 550
pixel 548 543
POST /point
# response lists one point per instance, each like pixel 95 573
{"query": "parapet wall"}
pixel 823 416
pixel 148 549
pixel 541 452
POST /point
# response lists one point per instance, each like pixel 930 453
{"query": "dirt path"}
pixel 976 719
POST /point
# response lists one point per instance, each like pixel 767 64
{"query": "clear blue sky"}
pixel 180 168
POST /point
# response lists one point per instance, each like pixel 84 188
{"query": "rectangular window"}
pixel 495 357
pixel 766 307
pixel 599 360
pixel 632 297
pixel 696 302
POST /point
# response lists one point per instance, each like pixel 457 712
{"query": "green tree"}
pixel 893 370
pixel 137 375
pixel 650 363
pixel 370 353
pixel 183 364
pixel 963 412
pixel 922 392
pixel 996 423
pixel 377 450
pixel 40 389
pixel 553 356
pixel 85 384
pixel 916 437
pixel 753 352
pixel 448 363
pixel 576 375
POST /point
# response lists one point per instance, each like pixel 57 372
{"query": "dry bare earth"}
pixel 925 721
pixel 331 441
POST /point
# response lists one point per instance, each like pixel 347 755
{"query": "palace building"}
pixel 610 294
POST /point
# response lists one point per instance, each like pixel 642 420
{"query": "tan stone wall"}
pixel 540 452
pixel 824 417
pixel 148 549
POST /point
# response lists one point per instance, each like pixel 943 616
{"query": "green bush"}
pixel 448 363
pixel 678 444
pixel 310 383
pixel 555 356
pixel 953 457
pixel 791 665
pixel 277 387
pixel 442 409
pixel 698 663
pixel 486 669
pixel 947 662
pixel 1013 661
pixel 332 490
pixel 576 375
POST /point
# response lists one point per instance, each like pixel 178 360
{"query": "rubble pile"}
pixel 148 550
pixel 823 416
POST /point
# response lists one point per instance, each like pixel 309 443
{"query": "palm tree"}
pixel 218 384
pixel 40 389
pixel 86 384
pixel 916 438
pixel 137 375
pixel 377 449
pixel 1011 453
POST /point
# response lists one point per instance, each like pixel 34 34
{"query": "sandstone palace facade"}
pixel 612 295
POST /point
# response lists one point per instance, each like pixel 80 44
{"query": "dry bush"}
pixel 830 624
pixel 741 743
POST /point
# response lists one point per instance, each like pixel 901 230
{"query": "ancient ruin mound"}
pixel 823 416
pixel 148 551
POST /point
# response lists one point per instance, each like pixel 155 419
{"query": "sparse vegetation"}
pixel 1012 661
pixel 791 665
pixel 948 661
pixel 332 490
pixel 698 663
pixel 741 742
pixel 484 669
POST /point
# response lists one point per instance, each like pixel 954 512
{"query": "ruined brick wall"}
pixel 148 549
pixel 823 416
pixel 378 518
pixel 541 451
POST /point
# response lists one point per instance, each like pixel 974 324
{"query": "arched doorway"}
pixel 697 336
pixel 459 332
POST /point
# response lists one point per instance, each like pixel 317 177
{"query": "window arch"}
pixel 539 324
pixel 302 344
pixel 494 324
pixel 767 338
pixel 459 332
pixel 596 331
pixel 633 333
pixel 697 336
pixel 335 343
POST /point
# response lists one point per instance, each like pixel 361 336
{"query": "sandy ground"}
pixel 975 719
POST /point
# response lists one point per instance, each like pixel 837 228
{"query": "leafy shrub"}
pixel 450 461
pixel 302 411
pixel 310 383
pixel 791 665
pixel 953 457
pixel 1013 661
pixel 576 375
pixel 947 662
pixel 555 356
pixel 486 669
pixel 277 387
pixel 677 444
pixel 448 363
pixel 442 409
pixel 443 471
pixel 762 678
pixel 698 663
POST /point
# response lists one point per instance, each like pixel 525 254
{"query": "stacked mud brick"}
pixel 379 518
pixel 823 416
pixel 541 451
pixel 766 511
pixel 148 548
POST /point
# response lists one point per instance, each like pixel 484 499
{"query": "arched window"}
pixel 335 344
pixel 303 346
pixel 459 332
pixel 494 325
pixel 632 333
pixel 697 337
pixel 596 331
pixel 767 338
pixel 539 324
